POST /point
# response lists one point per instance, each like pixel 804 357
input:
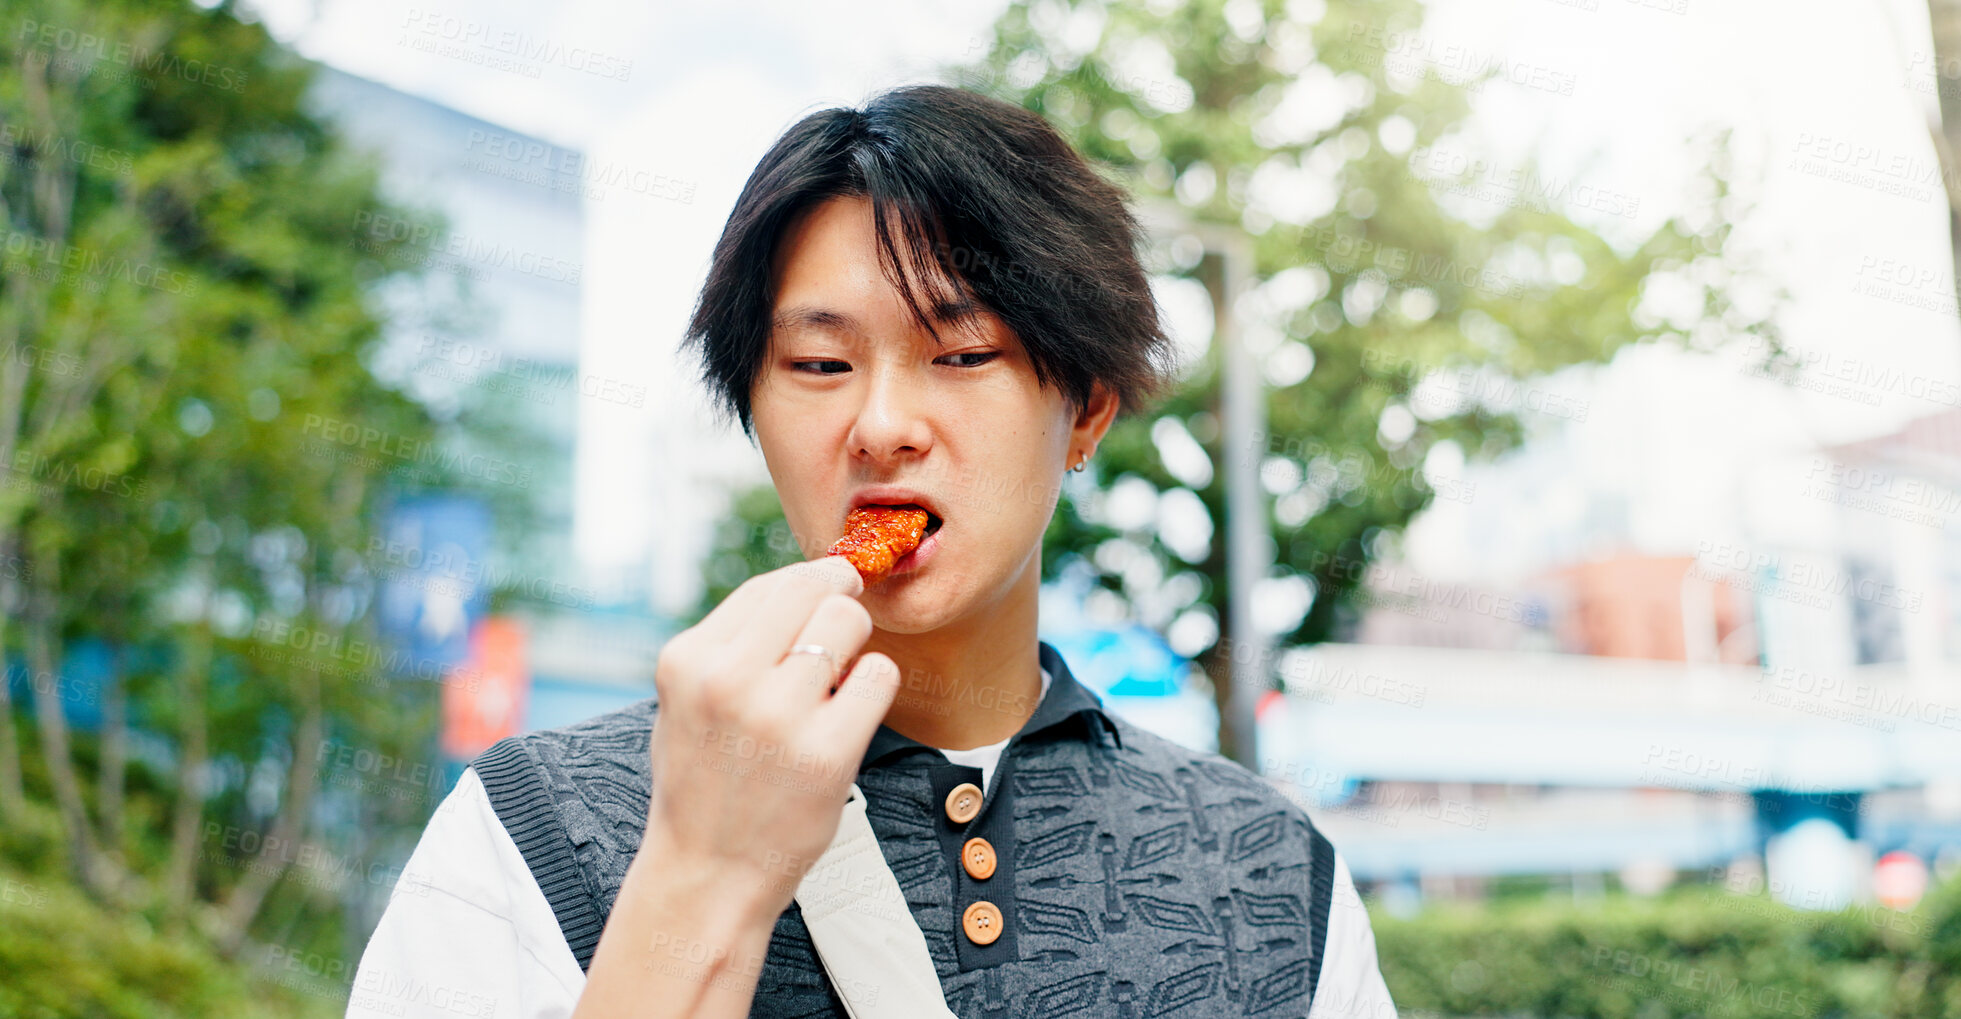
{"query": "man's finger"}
pixel 773 624
pixel 792 589
pixel 860 703
pixel 840 626
pixel 835 572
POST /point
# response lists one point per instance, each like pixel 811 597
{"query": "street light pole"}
pixel 1242 424
pixel 1226 271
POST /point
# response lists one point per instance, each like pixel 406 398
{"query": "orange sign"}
pixel 484 694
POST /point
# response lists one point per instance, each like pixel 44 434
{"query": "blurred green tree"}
pixel 1391 251
pixel 187 299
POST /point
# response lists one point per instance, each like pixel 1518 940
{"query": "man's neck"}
pixel 970 683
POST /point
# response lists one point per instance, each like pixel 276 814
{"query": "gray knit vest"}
pixel 1135 877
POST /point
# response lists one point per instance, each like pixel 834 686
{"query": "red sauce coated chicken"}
pixel 875 537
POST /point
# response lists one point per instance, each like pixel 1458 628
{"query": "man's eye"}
pixel 977 358
pixel 822 367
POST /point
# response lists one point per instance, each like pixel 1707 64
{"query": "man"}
pixel 931 303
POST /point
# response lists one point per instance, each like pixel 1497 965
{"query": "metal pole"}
pixel 1242 413
pixel 1242 407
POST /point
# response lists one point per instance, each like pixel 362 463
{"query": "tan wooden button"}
pixel 982 922
pixel 978 857
pixel 963 803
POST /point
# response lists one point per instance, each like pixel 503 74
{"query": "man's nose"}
pixel 892 422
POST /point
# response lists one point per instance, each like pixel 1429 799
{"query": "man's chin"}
pixel 914 604
pixel 900 616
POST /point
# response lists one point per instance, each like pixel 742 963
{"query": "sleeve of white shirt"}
pixel 1351 984
pixel 467 931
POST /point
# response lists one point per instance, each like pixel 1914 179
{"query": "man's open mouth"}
pixel 933 520
pixel 881 537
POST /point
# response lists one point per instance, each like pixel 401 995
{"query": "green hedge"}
pixel 61 955
pixel 1697 952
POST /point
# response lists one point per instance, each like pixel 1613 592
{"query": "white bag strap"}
pixel 870 945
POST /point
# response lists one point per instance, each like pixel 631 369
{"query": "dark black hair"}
pixel 990 204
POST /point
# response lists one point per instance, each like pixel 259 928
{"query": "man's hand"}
pixel 754 750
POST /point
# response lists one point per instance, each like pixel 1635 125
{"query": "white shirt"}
pixel 986 757
pixel 468 932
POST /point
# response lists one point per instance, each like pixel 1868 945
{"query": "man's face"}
pixel 853 395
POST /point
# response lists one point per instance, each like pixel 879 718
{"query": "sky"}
pixel 1829 104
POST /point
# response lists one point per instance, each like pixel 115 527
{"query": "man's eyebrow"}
pixel 804 315
pixel 955 310
pixel 822 318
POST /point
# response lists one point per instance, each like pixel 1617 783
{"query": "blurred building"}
pixel 1788 707
pixel 511 264
pixel 1899 511
pixel 510 270
pixel 1652 607
pixel 496 611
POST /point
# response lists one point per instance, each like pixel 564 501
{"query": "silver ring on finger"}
pixel 815 649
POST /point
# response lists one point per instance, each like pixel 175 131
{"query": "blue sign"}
pixel 431 562
pixel 1131 662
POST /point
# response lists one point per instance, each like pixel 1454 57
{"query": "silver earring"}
pixel 1080 463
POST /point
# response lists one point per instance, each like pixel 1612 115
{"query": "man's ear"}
pixel 1096 415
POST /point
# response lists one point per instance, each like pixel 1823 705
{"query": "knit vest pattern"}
pixel 1135 877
